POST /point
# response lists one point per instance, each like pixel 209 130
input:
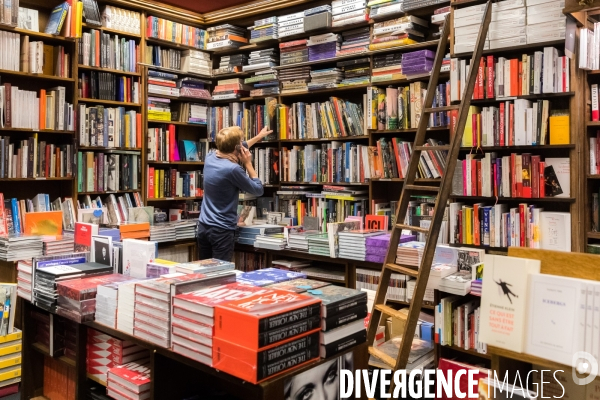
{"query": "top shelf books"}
pixel 173 32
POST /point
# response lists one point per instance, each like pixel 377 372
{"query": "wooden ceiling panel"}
pixel 204 6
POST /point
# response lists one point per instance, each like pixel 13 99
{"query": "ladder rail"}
pixel 409 179
pixel 443 195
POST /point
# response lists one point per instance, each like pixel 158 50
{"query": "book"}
pixel 336 299
pixel 57 18
pixel 504 300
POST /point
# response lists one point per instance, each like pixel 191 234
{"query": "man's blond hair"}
pixel 228 139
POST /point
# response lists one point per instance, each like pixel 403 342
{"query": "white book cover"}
pixel 504 301
pixel 136 255
pixel 555 231
pixel 562 169
pixel 556 317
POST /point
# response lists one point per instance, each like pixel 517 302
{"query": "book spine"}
pixel 309 349
pixel 331 349
pixel 595 112
pixel 277 335
pixel 280 320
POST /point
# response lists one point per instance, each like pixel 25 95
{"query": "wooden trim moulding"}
pixel 249 9
pixel 155 8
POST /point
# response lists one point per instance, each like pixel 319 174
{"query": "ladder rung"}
pixel 403 270
pixel 382 356
pixel 422 188
pixel 440 109
pixel 412 228
pixel 392 312
pixel 434 148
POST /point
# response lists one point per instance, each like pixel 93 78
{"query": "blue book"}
pixel 268 276
pixel 485 235
pixel 190 150
pixel 14 204
pixel 57 18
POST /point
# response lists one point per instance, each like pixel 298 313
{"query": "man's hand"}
pixel 245 156
pixel 264 132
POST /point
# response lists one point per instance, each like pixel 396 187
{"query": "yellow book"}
pixel 478 130
pixel 169 31
pixel 127 130
pixel 283 122
pixel 79 17
pixel 343 197
pixel 11 373
pixel 10 362
pixel 13 348
pixel 11 336
pixel 468 234
pixel 156 178
pixel 161 186
pixel 48 66
pixel 391 43
pixel 560 129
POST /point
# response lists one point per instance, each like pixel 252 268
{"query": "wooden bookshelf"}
pixel 114 71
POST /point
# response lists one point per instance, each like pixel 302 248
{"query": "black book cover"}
pixel 343 344
pixel 345 317
pixel 287 355
pixel 277 335
pixel 551 183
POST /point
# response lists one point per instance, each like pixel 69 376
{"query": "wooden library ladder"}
pixel 410 188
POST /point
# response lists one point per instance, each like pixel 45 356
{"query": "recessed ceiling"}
pixel 204 6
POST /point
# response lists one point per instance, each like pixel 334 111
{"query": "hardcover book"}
pixel 268 276
pixel 300 285
pixel 336 299
pixel 504 301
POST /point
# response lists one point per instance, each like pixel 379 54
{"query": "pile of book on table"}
pixel 10 371
pixel 57 245
pixel 153 302
pixel 111 299
pixel 105 352
pixel 130 381
pixel 20 247
pixel 353 244
pixel 248 234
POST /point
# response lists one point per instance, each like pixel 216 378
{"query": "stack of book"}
pixel 327 78
pixel 138 230
pixel 343 311
pixel 318 244
pixel 226 37
pixel 130 381
pixel 230 64
pixel 410 253
pixel 294 80
pixel 284 334
pixel 264 29
pixel 197 62
pixel 398 32
pixel 354 42
pixel 24 279
pixel 77 297
pixel 153 303
pixel 265 82
pixel 417 62
pixel 165 85
pixel 272 242
pixel 379 9
pixel 57 245
pixel 356 72
pixel 438 18
pixel 233 89
pixel 158 267
pixel 299 240
pixel 45 291
pixel 107 297
pixel 159 109
pixel 545 22
pixel 208 266
pixel 10 374
pixel 185 229
pixel 126 305
pixel 293 52
pixel 317 18
pixel 349 13
pixel 323 46
pixel 353 244
pixel 261 59
pixel 377 246
pixel 192 87
pixel 193 319
pixel 290 24
pixel 387 67
pixel 105 352
pixel 369 279
pixel 248 234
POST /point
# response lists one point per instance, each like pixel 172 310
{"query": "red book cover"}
pixel 514 77
pixel 522 225
pixel 476 233
pixel 490 77
pixel 479 179
pixel 83 236
pixel 377 222
pixel 473 177
pixel 481 80
pixel 150 182
pixel 465 178
pixel 293 43
pixel 513 181
pixel 86 288
pixel 135 376
pixel 204 300
pixel 396 155
pixel 511 125
pixel 542 181
pixel 455 366
pixel 475 88
pixel 535 176
pixel 263 313
pixel 526 174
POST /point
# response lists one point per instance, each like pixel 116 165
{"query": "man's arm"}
pixel 263 133
pixel 248 183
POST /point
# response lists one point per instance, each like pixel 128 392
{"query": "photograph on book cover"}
pixel 319 383
pixel 102 249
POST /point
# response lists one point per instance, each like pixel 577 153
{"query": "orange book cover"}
pixel 378 222
pixel 132 227
pixel 266 318
pixel 138 130
pixel 255 366
pixel 135 235
pixel 520 88
pixel 514 77
pixel 46 223
pixel 42 108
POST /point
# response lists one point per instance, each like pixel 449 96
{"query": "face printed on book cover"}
pixel 318 383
